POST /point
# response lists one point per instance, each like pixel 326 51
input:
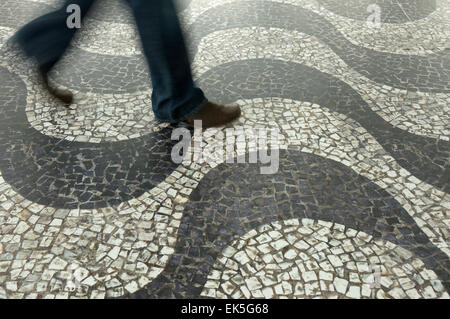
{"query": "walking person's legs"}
pixel 175 97
pixel 46 39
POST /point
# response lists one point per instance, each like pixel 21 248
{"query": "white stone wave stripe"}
pixel 107 245
pixel 93 117
pixel 304 258
pixel 421 37
pixel 107 117
pixel 54 3
pixel 5 34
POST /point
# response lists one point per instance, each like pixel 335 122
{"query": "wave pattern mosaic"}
pixel 92 206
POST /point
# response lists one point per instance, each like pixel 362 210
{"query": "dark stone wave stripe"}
pixel 429 74
pixel 64 174
pixel 233 199
pixel 116 11
pixel 107 74
pixel 392 11
pixel 424 157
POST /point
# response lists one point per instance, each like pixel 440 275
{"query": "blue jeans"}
pixel 174 97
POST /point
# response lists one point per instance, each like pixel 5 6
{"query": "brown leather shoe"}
pixel 64 96
pixel 213 115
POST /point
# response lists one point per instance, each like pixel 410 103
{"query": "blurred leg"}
pixel 47 37
pixel 174 94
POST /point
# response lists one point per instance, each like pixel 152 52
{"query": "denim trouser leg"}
pixel 47 37
pixel 174 94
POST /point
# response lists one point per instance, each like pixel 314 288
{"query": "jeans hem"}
pixel 187 116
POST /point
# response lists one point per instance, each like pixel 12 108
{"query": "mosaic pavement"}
pixel 91 205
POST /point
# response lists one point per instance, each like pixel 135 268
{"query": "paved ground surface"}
pixel 91 205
